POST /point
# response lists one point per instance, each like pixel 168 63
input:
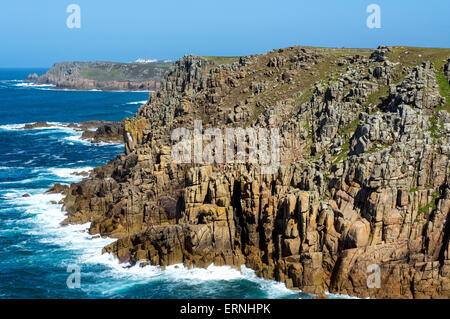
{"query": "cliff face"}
pixel 104 75
pixel 363 180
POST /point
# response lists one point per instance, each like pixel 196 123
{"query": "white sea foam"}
pixel 64 174
pixel 30 84
pixel 336 296
pixel 137 102
pixel 10 167
pixel 74 137
pixel 21 126
pixel 7 81
pixel 22 181
pixel 119 145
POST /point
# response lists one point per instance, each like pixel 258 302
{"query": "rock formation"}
pixel 363 182
pixel 104 76
pixel 102 131
pixel 94 131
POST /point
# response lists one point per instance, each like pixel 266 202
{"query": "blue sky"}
pixel 34 33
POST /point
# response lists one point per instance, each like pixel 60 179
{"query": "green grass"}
pixel 444 89
pixel 97 74
pixel 112 71
pixel 351 127
pixel 343 153
pixel 431 205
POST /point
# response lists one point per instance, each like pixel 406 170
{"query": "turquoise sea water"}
pixel 35 251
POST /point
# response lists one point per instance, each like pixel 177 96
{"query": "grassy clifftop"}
pixel 110 71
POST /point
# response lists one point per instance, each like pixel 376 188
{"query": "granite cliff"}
pixel 104 76
pixel 363 180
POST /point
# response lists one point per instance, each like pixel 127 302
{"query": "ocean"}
pixel 37 254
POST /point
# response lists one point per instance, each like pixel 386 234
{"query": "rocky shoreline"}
pixel 363 181
pixel 93 131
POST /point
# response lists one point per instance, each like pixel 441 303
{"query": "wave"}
pixel 77 139
pixel 33 85
pixel 42 220
pixel 74 137
pixel 137 102
pixel 21 126
pixel 11 167
pixel 22 181
pixel 64 175
pixel 11 127
pixel 46 219
pixel 67 174
pixel 89 90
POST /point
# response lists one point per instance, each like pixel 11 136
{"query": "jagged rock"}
pixel 58 188
pixel 379 55
pixel 419 89
pixel 447 69
pixel 38 124
pixel 106 132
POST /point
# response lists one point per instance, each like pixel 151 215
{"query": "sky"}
pixel 35 33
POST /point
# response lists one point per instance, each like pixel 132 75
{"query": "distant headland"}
pixel 106 76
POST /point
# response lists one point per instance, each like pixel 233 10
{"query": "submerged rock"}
pixel 38 124
pixel 58 189
pixel 108 132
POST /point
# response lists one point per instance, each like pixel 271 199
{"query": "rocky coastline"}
pixel 104 76
pixel 364 175
pixel 93 131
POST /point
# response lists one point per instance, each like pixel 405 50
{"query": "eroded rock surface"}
pixel 363 178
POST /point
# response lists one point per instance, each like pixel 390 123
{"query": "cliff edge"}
pixel 363 181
